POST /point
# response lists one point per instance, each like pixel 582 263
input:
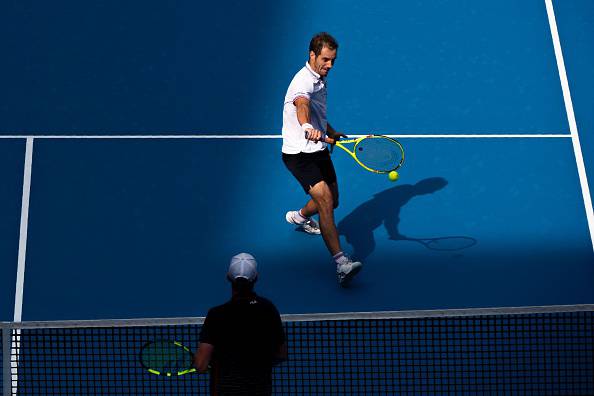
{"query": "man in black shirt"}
pixel 243 338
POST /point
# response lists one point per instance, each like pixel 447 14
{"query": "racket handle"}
pixel 325 139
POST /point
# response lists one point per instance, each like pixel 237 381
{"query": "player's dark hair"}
pixel 322 40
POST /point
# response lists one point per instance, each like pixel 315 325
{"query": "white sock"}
pixel 299 217
pixel 340 258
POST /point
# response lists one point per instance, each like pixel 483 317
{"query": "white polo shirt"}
pixel 308 84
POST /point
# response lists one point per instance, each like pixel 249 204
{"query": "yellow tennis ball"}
pixel 393 176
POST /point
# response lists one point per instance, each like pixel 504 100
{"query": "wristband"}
pixel 306 126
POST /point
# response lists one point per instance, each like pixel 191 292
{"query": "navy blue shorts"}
pixel 311 168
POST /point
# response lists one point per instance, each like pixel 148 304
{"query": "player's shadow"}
pixel 384 208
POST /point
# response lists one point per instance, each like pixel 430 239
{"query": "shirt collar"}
pixel 243 297
pixel 317 77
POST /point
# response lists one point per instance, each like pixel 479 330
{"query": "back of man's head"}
pixel 243 272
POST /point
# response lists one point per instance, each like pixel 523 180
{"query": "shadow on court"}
pixel 384 209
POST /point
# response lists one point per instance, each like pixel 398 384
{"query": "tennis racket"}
pixel 375 153
pixel 167 358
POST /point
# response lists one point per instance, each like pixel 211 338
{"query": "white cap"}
pixel 243 266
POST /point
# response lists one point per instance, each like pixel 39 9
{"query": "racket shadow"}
pixel 444 244
pixel 383 209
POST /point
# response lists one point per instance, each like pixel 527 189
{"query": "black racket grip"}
pixel 324 139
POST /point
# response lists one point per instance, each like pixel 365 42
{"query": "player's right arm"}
pixel 302 106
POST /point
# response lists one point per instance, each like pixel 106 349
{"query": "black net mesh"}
pixel 523 354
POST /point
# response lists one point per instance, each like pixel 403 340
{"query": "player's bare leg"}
pixel 323 201
pixel 323 198
pixel 311 208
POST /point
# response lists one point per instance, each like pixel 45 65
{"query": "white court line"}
pixel 22 254
pixel 272 136
pixel 577 148
pixel 20 281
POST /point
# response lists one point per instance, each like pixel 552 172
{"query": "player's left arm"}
pixel 280 355
pixel 333 133
pixel 203 356
pixel 279 339
pixel 207 340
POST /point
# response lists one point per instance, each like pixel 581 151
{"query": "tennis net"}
pixel 529 350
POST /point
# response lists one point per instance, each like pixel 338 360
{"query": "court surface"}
pixel 153 163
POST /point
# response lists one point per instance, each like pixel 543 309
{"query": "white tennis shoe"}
pixel 347 269
pixel 310 225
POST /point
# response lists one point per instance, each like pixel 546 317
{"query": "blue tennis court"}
pixel 124 229
pixel 115 222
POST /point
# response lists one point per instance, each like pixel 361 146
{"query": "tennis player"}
pixel 306 155
pixel 243 338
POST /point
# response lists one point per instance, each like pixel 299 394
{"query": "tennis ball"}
pixel 393 176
